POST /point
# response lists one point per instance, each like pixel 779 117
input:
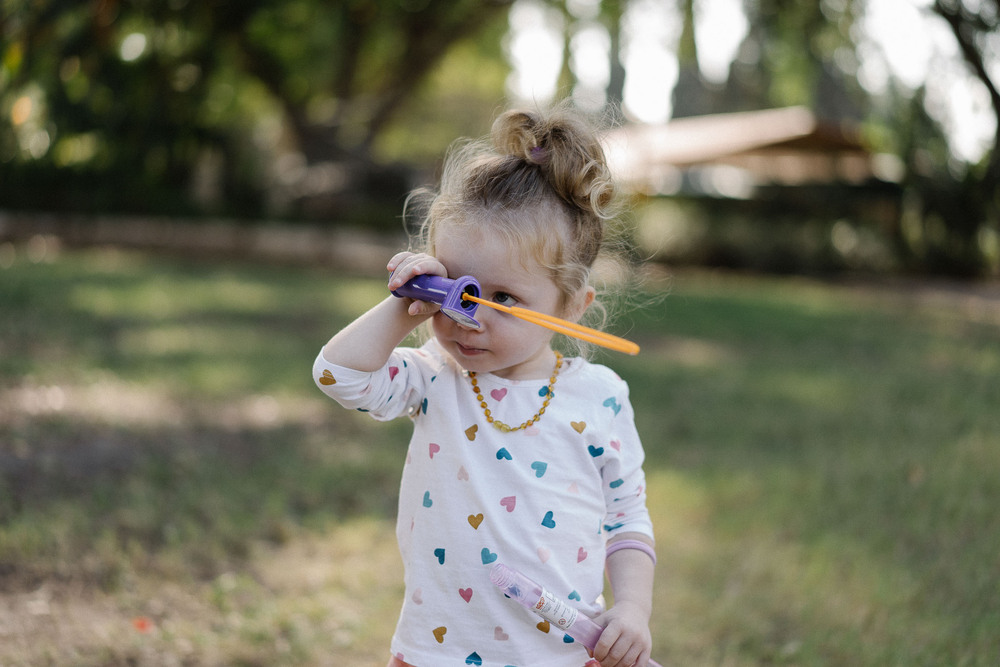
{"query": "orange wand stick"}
pixel 561 326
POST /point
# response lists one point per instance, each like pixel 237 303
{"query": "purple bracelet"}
pixel 631 544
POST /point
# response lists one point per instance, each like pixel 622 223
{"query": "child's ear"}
pixel 580 303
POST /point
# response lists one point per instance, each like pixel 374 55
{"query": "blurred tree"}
pixel 974 27
pixel 612 12
pixel 132 100
pixel 956 217
pixel 795 53
pixel 297 106
pixel 691 95
pixel 951 218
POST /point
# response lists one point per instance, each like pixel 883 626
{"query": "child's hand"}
pixel 626 640
pixel 405 266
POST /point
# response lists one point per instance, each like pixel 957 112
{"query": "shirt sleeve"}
pixel 623 478
pixel 395 390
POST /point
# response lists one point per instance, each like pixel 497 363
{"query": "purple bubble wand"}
pixel 460 297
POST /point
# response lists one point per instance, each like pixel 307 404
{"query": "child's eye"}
pixel 504 299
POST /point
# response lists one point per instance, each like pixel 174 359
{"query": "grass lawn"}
pixel 822 459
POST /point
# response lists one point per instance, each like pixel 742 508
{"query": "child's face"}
pixel 504 345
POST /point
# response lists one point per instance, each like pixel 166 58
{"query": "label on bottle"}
pixel 555 611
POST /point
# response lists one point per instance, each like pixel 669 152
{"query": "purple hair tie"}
pixel 537 154
pixel 617 545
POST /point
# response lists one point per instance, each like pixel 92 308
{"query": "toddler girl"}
pixel 519 455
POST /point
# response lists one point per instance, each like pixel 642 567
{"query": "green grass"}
pixel 822 466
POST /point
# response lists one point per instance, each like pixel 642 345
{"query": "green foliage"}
pixel 130 104
pixel 800 45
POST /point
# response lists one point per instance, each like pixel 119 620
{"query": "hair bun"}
pixel 519 134
pixel 567 150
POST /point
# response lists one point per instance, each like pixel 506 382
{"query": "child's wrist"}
pixel 634 608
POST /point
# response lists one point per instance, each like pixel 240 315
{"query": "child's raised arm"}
pixel 366 343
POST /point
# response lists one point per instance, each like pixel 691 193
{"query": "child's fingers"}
pixel 423 308
pixel 400 268
pixel 406 266
pixel 618 647
pixel 396 260
pixel 622 657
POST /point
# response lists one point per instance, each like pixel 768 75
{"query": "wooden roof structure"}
pixel 731 154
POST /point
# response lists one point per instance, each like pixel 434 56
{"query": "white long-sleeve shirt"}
pixel 543 500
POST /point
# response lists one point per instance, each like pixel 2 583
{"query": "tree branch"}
pixel 430 35
pixel 963 25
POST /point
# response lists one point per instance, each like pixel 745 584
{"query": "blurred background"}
pixel 785 136
pixel 196 194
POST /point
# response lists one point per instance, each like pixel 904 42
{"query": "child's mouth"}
pixel 468 351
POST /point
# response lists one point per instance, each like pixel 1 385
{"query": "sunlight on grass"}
pixel 753 593
pixel 131 285
pixel 169 297
pixel 173 339
pixel 327 598
pixel 689 352
pixel 355 575
pixel 821 465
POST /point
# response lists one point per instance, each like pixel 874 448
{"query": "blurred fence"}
pixel 351 249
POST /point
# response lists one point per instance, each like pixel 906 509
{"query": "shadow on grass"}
pixel 825 464
pixel 161 414
pixel 99 503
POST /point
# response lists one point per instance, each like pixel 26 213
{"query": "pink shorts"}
pixel 396 662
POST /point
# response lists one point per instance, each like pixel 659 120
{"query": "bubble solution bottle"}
pixel 531 595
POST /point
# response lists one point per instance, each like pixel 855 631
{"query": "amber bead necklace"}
pixel 538 415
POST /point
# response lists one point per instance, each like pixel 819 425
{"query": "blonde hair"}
pixel 540 182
